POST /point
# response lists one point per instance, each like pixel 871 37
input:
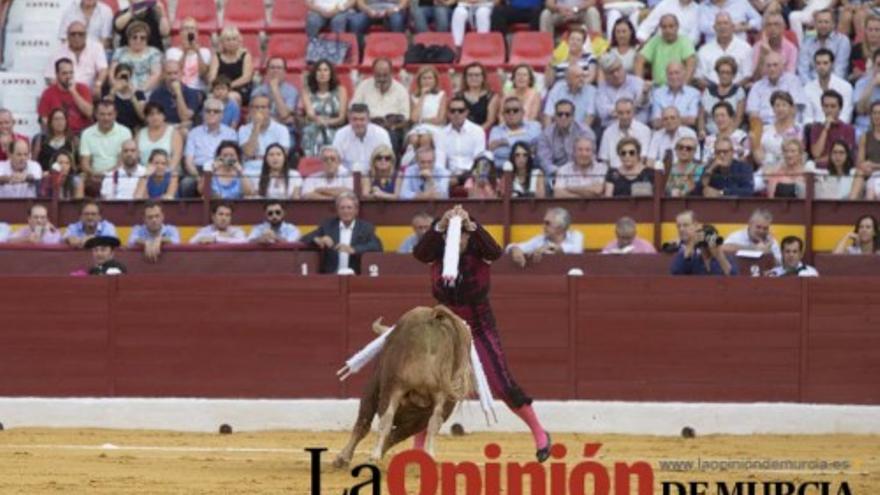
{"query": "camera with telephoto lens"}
pixel 229 161
pixel 710 237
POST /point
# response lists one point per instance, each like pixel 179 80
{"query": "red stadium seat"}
pixel 247 16
pixel 292 47
pixel 344 76
pixel 354 53
pixel 390 45
pixel 288 16
pixel 494 80
pixel 532 48
pixel 309 165
pixel 203 11
pixel 486 48
pixel 251 41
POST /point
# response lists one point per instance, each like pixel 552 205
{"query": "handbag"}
pixel 334 51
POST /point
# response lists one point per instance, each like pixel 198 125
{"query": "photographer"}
pixel 702 255
pixel 227 181
pixel 194 59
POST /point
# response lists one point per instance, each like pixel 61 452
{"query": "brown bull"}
pixel 422 373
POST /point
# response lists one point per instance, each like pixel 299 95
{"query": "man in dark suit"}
pixel 344 238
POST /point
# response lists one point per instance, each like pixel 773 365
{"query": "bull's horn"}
pixel 379 328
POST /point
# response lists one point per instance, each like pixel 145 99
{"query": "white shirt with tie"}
pixel 345 234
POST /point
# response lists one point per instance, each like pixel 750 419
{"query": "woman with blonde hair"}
pixel 786 180
pixel 235 62
pixel 428 99
pixel 382 181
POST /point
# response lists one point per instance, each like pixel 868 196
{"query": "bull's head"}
pixel 379 328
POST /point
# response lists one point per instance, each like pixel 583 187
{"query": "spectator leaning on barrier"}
pixel 702 255
pixel 274 229
pixel 421 222
pixel 792 260
pixel 221 230
pixel 331 182
pixel 344 238
pixel 90 225
pixel 864 239
pixel 626 240
pixel 756 236
pixel 726 176
pixel 558 237
pixel 39 229
pixel 153 233
pixel 584 176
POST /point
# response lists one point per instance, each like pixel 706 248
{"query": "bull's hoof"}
pixel 341 462
pixel 543 454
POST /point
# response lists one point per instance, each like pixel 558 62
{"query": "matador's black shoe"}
pixel 544 453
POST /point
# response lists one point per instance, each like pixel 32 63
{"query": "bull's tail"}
pixel 461 384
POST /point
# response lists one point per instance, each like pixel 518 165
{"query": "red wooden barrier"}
pixel 612 338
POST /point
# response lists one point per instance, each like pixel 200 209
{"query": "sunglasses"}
pixel 457 110
pixel 77 33
pixel 627 153
pixel 563 114
pixel 520 154
pixel 386 158
pixel 512 110
pixel 274 213
pixel 213 110
pixel 124 77
pixel 722 151
pixel 685 147
pixel 139 37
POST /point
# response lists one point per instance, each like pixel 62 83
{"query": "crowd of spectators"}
pixel 724 98
pixel 788 87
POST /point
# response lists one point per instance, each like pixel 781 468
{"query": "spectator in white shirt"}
pixel 332 181
pixel 663 140
pixel 724 44
pixel 357 141
pixel 558 237
pixel 687 12
pixel 792 260
pixel 221 230
pixel 121 182
pixel 87 55
pixel 95 15
pixel 460 141
pixel 19 175
pixel 755 237
pixel 826 80
pixel 625 126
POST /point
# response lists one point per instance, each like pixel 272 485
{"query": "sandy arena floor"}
pixel 35 461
